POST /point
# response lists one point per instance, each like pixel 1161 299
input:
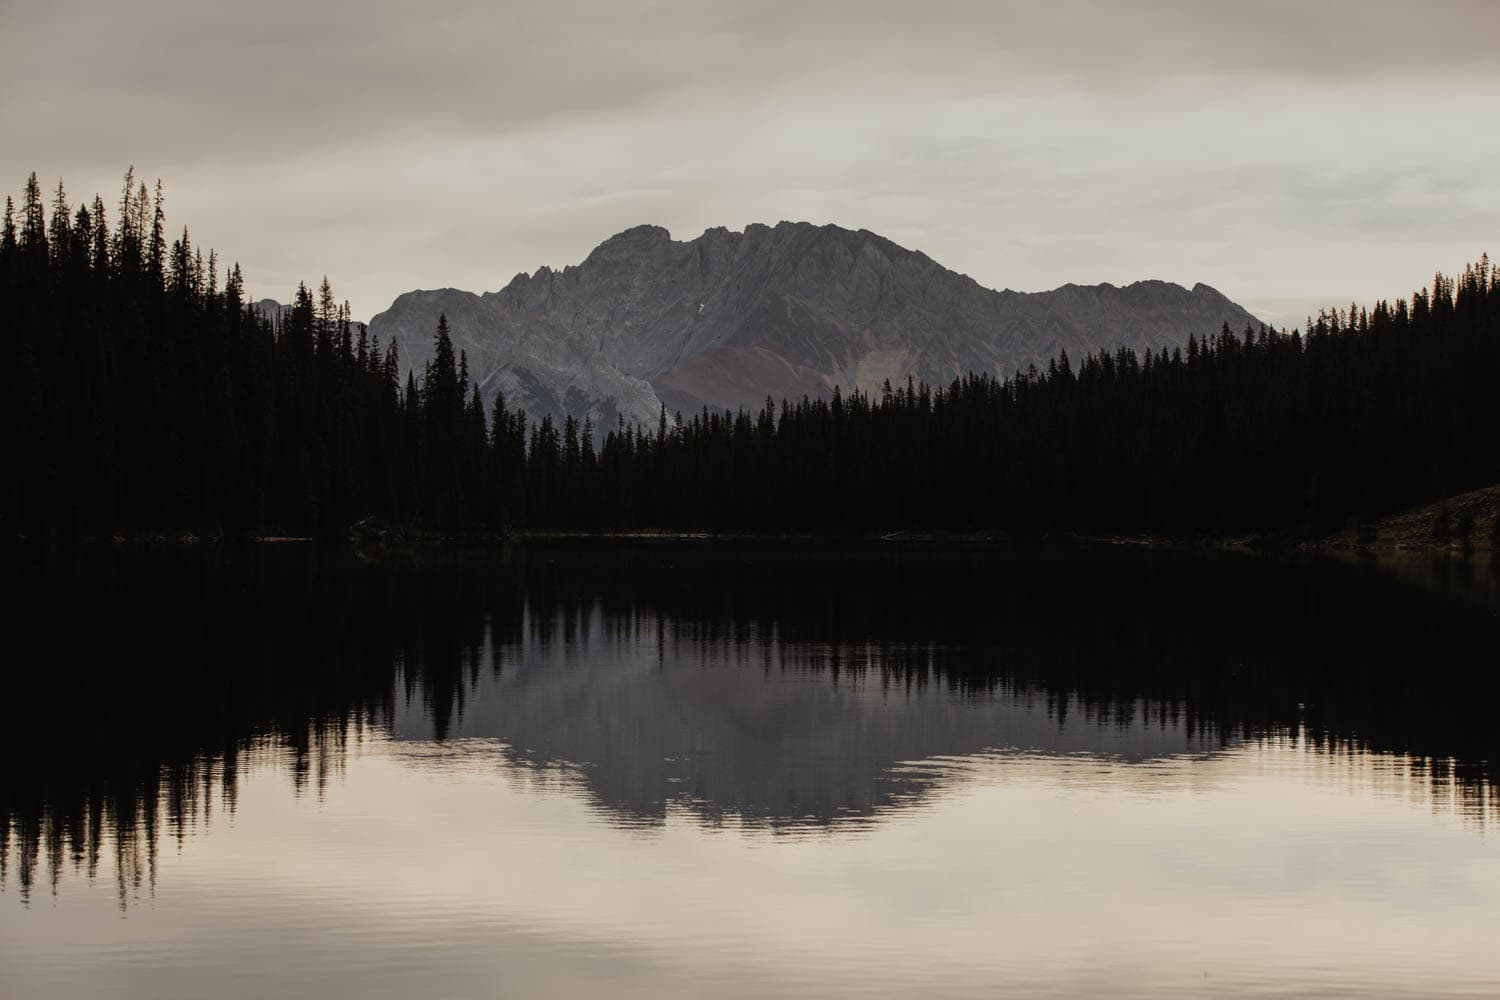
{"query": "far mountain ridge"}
pixel 729 319
pixel 277 312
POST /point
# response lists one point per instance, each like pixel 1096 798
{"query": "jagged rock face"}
pixel 729 319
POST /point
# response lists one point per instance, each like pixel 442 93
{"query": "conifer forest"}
pixel 144 393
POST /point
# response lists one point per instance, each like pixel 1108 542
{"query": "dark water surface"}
pixel 673 770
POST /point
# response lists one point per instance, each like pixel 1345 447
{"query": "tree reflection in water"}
pixel 764 685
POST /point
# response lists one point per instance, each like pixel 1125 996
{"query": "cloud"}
pixel 395 145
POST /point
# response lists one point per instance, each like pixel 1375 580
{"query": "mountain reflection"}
pixel 761 686
pixel 650 713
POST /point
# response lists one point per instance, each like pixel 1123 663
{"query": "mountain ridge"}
pixel 728 319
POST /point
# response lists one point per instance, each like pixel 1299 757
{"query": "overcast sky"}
pixel 1289 152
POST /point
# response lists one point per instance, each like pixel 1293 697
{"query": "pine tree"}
pixel 8 241
pixel 156 247
pixel 61 233
pixel 33 224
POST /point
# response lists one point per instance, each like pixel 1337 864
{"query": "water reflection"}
pixel 648 713
pixel 765 688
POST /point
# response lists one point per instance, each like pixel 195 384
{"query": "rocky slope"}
pixel 728 319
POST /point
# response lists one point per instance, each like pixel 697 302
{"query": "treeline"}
pixel 1261 431
pixel 144 393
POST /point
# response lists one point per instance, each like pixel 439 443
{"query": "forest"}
pixel 145 394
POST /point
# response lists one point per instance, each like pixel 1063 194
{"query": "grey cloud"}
pixel 287 72
pixel 395 145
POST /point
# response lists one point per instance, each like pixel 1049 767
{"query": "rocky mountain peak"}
pixel 630 244
pixel 729 318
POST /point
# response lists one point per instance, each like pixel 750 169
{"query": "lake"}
pixel 676 769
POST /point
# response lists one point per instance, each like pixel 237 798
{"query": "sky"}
pixel 1291 153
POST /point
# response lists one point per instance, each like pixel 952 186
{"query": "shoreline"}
pixel 1342 543
pixel 1464 527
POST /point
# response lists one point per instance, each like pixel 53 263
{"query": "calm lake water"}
pixel 674 770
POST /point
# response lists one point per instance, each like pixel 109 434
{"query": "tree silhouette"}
pixel 144 394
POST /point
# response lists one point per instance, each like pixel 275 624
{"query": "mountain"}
pixel 272 310
pixel 728 319
pixel 277 312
